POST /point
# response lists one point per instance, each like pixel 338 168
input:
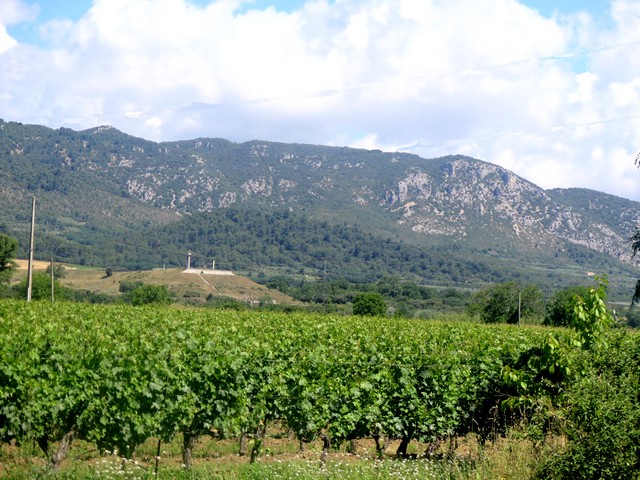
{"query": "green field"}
pixel 453 400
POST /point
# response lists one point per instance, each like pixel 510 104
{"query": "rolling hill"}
pixel 185 286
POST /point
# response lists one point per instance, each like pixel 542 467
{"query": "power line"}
pixel 472 70
pixel 467 70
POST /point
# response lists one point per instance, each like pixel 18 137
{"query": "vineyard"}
pixel 120 376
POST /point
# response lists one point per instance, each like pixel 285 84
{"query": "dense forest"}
pixel 268 243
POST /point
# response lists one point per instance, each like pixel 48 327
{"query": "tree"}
pixel 635 246
pixel 128 286
pixel 633 317
pixel 636 294
pixel 507 302
pixel 371 304
pixel 58 270
pixel 41 287
pixel 8 251
pixel 147 294
pixel 560 306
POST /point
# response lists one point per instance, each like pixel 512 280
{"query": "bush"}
pixel 41 287
pixel 8 251
pixel 499 303
pixel 127 286
pixel 58 270
pixel 603 422
pixel 148 294
pixel 601 406
pixel 88 296
pixel 632 317
pixel 371 304
pixel 7 292
pixel 216 301
pixel 560 306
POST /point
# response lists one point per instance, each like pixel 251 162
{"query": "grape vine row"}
pixel 118 375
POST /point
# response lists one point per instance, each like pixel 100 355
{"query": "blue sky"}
pixel 547 89
pixel 549 7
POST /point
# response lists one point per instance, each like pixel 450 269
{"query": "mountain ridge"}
pixel 123 183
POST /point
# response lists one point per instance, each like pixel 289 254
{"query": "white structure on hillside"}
pixel 205 271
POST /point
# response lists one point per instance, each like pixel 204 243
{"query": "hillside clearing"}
pixel 184 285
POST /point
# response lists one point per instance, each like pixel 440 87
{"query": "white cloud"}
pixel 11 13
pixel 6 40
pixel 584 91
pixel 16 11
pixel 488 78
pixel 625 94
pixel 133 114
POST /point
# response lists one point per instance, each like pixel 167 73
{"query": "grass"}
pixel 281 458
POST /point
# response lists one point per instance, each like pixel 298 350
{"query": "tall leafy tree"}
pixel 148 294
pixel 635 245
pixel 559 310
pixel 58 270
pixel 370 303
pixel 507 302
pixel 8 251
pixel 41 287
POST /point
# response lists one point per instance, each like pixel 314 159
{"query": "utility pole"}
pixel 31 247
pixel 324 283
pixel 519 306
pixel 52 279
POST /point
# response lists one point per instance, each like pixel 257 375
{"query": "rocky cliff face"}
pixel 450 199
pixel 472 196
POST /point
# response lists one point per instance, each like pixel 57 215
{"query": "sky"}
pixel 547 89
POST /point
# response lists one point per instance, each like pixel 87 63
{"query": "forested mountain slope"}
pixel 106 195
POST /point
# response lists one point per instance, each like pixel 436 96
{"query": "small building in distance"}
pixel 205 271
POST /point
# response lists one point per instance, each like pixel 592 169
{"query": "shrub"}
pixel 371 304
pixel 58 270
pixel 603 425
pixel 560 306
pixel 507 302
pixel 147 294
pixel 127 286
pixel 41 287
pixel 601 406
